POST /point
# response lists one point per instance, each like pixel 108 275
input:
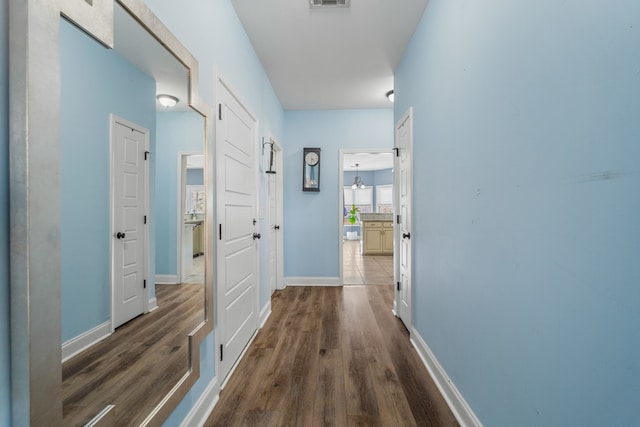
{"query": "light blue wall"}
pixel 195 176
pixel 526 207
pixel 177 131
pixel 5 353
pixel 383 177
pixel 214 35
pixel 94 83
pixel 312 219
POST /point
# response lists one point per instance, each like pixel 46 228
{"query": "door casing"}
pixel 279 219
pixel 341 199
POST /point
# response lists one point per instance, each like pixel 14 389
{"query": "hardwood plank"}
pixel 331 357
pixel 298 407
pixel 136 366
pixel 328 410
pixel 427 404
pixel 359 393
pixel 239 411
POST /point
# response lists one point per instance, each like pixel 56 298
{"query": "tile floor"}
pixel 361 269
pixel 197 274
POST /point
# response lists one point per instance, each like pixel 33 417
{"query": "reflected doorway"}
pixel 191 218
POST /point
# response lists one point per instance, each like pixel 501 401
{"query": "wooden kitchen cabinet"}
pixel 377 238
pixel 198 239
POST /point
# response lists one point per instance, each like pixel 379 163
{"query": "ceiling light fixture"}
pixel 357 181
pixel 390 95
pixel 167 100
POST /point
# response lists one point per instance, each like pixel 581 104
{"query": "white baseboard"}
pixel 461 410
pixel 203 407
pixel 153 304
pixel 312 281
pixel 85 340
pixel 167 279
pixel 264 314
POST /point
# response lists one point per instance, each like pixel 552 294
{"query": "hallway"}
pixel 333 356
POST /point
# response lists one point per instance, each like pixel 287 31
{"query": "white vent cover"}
pixel 329 3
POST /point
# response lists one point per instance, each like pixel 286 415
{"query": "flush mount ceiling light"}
pixel 357 181
pixel 167 100
pixel 390 95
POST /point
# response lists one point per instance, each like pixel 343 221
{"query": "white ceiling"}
pixel 324 58
pixel 367 161
pixel 144 52
pixel 336 58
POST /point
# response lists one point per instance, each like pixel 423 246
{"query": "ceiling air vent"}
pixel 329 3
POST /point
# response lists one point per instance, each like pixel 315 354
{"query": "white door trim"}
pixel 113 119
pixel 279 183
pixel 406 117
pixel 341 198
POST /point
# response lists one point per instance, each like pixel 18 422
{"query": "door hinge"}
pixel 397 151
pixel 144 284
pixel 147 154
pixel 219 111
pixel 145 219
pixel 220 231
pixel 398 286
pixel 254 221
pixel 221 352
pixel 397 219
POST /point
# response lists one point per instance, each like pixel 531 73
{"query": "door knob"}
pixel 276 227
pixel 256 236
pixel 120 235
pixel 406 235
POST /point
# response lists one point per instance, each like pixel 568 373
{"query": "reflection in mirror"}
pixel 191 218
pixel 130 296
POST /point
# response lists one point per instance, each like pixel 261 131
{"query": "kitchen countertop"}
pixel 376 217
pixel 194 221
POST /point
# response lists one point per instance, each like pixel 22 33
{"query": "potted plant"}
pixel 352 216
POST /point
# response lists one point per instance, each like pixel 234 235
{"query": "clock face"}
pixel 311 158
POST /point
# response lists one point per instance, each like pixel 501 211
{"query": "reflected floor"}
pixel 197 273
pixel 361 269
pixel 138 364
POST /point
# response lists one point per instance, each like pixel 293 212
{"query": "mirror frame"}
pixel 34 164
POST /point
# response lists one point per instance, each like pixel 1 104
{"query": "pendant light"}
pixel 357 181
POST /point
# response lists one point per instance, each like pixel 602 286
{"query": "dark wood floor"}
pixel 331 356
pixel 135 367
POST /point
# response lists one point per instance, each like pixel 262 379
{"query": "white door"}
pixel 275 223
pixel 404 180
pixel 236 144
pixel 129 146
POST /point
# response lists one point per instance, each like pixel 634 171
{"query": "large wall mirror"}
pixel 112 211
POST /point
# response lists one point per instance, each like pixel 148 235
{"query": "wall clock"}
pixel 311 169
